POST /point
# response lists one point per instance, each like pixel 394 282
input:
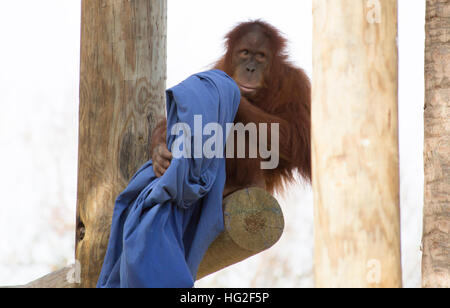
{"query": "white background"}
pixel 39 72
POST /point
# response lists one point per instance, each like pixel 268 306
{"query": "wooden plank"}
pixel 355 144
pixel 122 84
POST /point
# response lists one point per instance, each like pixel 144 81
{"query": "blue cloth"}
pixel 162 227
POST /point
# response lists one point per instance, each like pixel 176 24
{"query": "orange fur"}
pixel 286 98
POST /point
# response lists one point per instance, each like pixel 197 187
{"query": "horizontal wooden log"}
pixel 253 223
pixel 63 278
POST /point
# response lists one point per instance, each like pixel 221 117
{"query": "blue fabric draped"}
pixel 162 227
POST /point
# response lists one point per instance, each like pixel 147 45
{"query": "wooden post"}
pixel 355 144
pixel 436 233
pixel 122 84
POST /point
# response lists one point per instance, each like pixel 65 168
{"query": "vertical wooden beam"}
pixel 436 233
pixel 355 144
pixel 122 83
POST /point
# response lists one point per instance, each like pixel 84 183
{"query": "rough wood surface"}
pixel 355 144
pixel 58 279
pixel 436 233
pixel 122 84
pixel 253 223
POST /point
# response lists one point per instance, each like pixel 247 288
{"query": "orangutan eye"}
pixel 245 52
